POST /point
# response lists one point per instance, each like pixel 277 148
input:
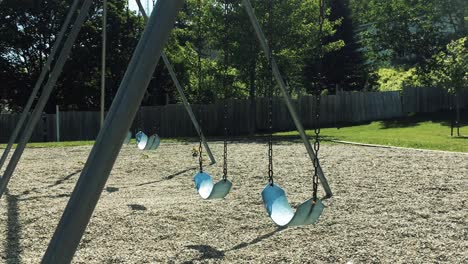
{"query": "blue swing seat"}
pixel 281 212
pixel 147 143
pixel 208 190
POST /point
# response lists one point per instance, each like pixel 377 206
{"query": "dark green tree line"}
pixel 358 37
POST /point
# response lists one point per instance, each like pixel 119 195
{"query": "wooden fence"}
pixel 430 100
pixel 173 121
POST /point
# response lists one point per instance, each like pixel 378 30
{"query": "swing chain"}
pixel 270 146
pixel 200 152
pixel 225 166
pixel 270 98
pixel 199 40
pixel 315 178
pixel 139 120
pixel 226 61
pixel 316 146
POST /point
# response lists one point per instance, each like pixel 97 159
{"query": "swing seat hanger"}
pixel 147 143
pixel 208 190
pixel 281 212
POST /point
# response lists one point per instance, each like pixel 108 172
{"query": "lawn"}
pixel 77 143
pixel 421 131
pixel 409 132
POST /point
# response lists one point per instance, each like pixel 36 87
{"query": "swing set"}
pixel 115 129
pixel 274 197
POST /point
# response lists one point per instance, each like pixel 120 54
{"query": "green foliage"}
pixel 395 79
pixel 451 66
pixel 27 33
pixel 394 34
pixel 409 32
pixel 343 64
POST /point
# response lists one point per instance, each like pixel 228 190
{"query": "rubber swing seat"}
pixel 208 190
pixel 281 212
pixel 147 143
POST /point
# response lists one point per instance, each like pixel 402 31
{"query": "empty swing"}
pixel 274 197
pixel 145 142
pixel 203 181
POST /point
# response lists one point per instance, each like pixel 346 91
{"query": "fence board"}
pixel 173 120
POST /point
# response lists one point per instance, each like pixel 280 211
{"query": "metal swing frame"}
pixel 109 141
pixel 53 73
pixel 47 89
pixel 95 173
pixel 39 82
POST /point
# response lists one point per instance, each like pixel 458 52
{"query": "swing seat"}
pixel 208 190
pixel 147 143
pixel 128 137
pixel 281 212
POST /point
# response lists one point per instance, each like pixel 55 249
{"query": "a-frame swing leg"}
pixel 187 106
pixel 279 79
pixel 46 91
pixel 96 171
pixel 38 84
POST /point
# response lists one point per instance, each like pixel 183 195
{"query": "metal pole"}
pixel 103 70
pixel 36 114
pixel 39 82
pixel 187 106
pixel 96 171
pixel 57 122
pixel 266 49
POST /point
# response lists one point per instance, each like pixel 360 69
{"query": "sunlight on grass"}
pixel 408 132
pixel 424 135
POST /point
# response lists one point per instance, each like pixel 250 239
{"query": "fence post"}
pixel 57 123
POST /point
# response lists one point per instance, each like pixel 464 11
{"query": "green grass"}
pixel 80 143
pixel 421 131
pixel 55 144
pixel 425 134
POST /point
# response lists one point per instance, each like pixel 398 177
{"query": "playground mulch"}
pixel 389 206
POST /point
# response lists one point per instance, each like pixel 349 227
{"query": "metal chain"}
pixel 225 165
pixel 200 78
pixel 139 120
pixel 270 98
pixel 315 178
pixel 226 61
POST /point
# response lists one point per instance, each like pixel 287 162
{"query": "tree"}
pixel 27 33
pixel 344 67
pixel 408 32
pixel 451 71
